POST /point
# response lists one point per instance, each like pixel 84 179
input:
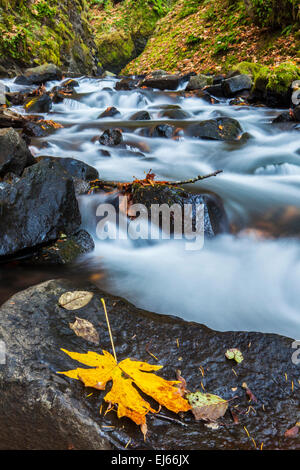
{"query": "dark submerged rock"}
pixel 65 250
pixel 215 90
pixel 39 104
pixel 37 208
pixel 127 84
pixel 109 112
pixel 232 86
pixel 162 130
pixel 173 114
pixel 111 137
pixel 15 156
pixel 197 82
pixel 39 75
pixel 162 82
pixel 140 116
pixel 222 128
pixel 56 413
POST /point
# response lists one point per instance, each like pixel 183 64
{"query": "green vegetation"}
pixel 45 31
pixel 214 36
pixel 122 31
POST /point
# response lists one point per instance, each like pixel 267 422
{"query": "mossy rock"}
pixel 272 84
pixel 115 49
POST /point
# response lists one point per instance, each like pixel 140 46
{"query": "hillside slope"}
pixel 36 31
pixel 206 36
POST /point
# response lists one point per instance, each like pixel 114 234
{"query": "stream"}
pixel 241 280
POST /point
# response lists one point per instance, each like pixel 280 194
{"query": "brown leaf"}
pixel 206 406
pixel 182 385
pixel 75 300
pixel 292 432
pixel 85 329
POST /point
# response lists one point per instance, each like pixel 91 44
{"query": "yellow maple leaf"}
pixel 123 393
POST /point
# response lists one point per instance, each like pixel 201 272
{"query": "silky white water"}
pixel 238 281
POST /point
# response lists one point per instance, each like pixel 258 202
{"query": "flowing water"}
pixel 239 281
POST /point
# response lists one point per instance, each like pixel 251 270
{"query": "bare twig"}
pixel 194 180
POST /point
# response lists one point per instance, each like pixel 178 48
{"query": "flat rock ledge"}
pixel 40 409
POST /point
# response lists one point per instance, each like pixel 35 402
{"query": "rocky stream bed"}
pixel 68 144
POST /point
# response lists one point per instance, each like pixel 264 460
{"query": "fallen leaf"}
pixel 206 406
pixel 181 383
pixel 85 329
pixel 292 432
pixel 235 354
pixel 251 396
pixel 75 300
pixel 124 376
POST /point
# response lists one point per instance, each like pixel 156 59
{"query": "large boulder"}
pixel 37 208
pixel 39 104
pixel 75 168
pixel 39 75
pixel 197 82
pixel 232 86
pixel 40 409
pixel 162 82
pixel 222 128
pixel 14 153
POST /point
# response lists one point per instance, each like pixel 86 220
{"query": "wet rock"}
pixel 9 118
pixel 16 98
pixel 111 137
pixel 14 153
pixel 109 112
pixel 174 114
pixel 222 128
pixel 36 129
pixel 140 116
pixel 215 220
pixel 197 82
pixel 39 75
pixel 162 82
pixel 55 410
pixel 39 104
pixel 215 90
pixel 218 79
pixel 162 130
pixel 127 84
pixel 232 86
pixel 108 74
pixel 75 168
pixel 65 250
pixel 69 84
pixel 104 153
pixel 37 208
pixel 286 116
pixel 204 95
pixel 296 113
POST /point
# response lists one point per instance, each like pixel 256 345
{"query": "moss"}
pixel 121 33
pixel 115 49
pixel 43 31
pixel 282 76
pixel 275 80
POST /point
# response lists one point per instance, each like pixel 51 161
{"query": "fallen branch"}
pixel 149 181
pixel 194 180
